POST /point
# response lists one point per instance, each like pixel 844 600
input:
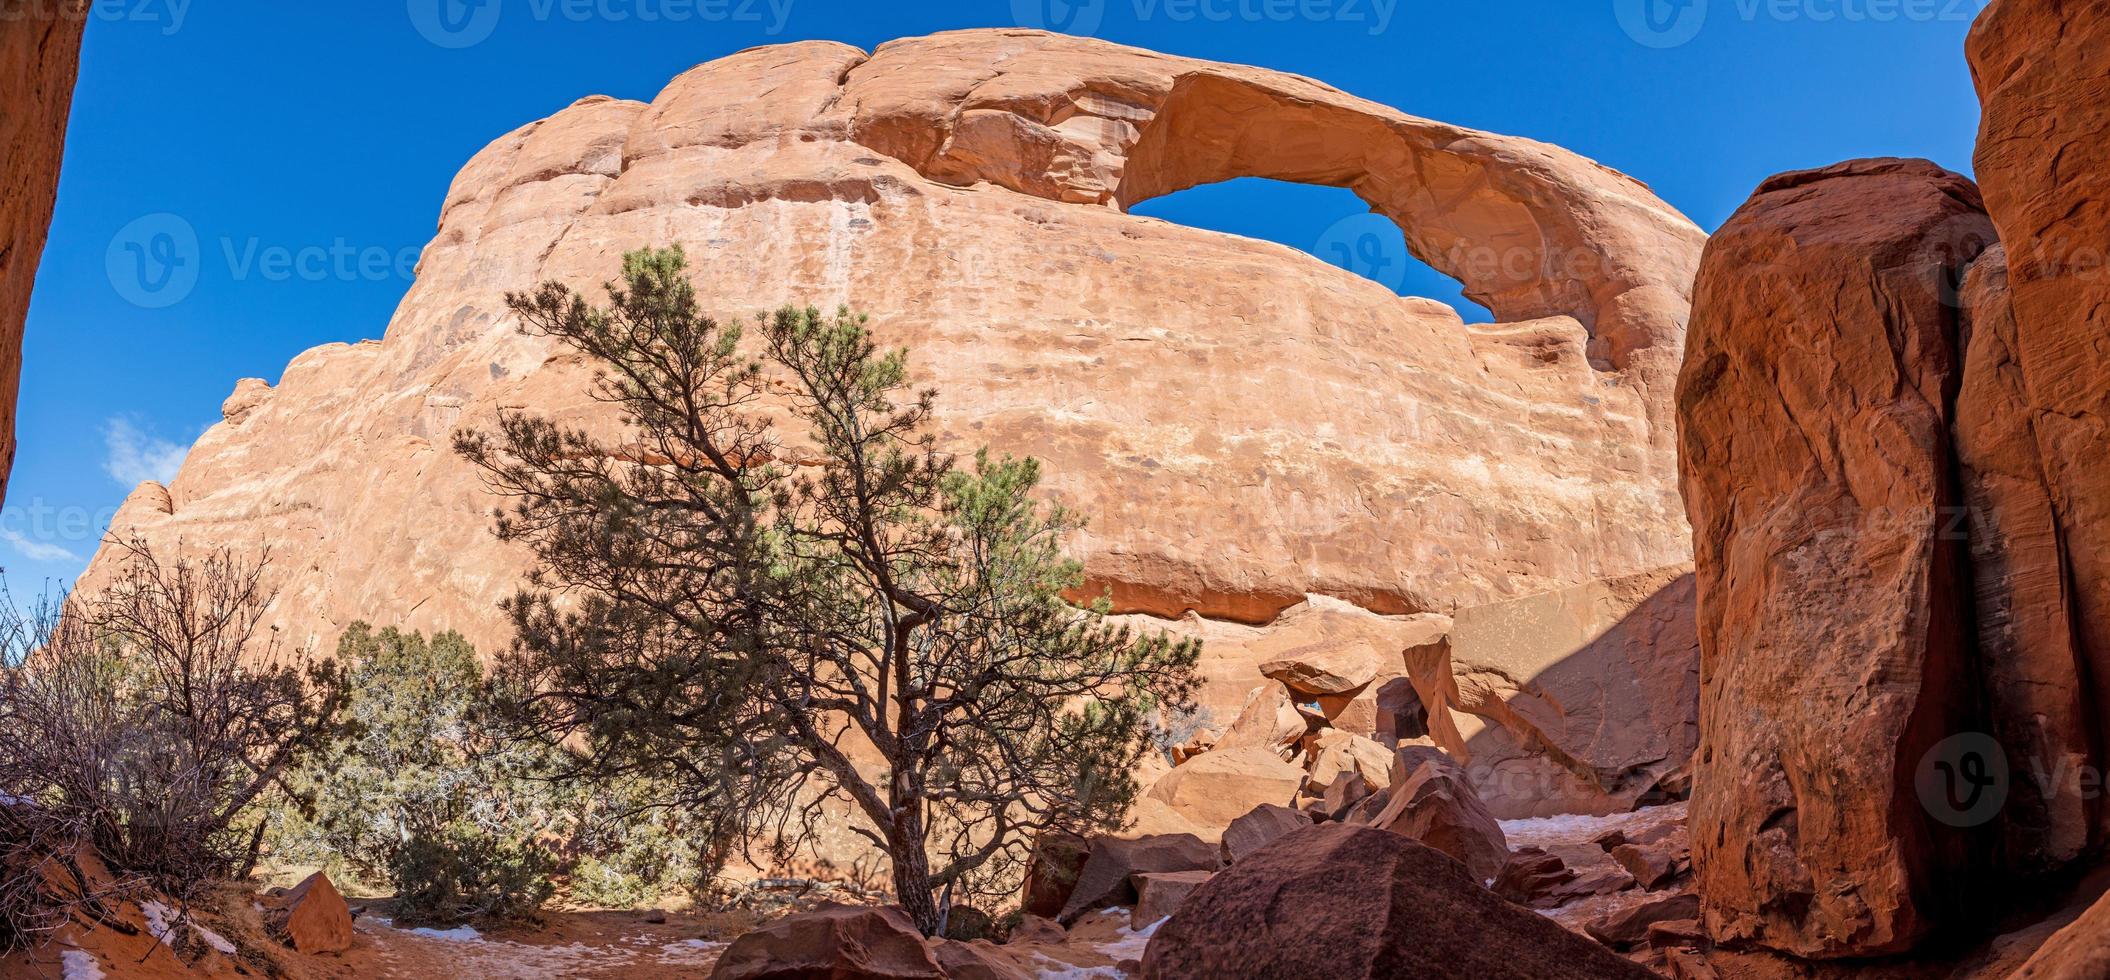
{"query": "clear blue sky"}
pixel 320 125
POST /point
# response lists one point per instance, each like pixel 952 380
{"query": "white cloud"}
pixel 36 550
pixel 136 456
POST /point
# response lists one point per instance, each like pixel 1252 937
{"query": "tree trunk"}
pixel 912 887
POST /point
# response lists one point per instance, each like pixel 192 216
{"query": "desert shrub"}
pixel 417 796
pixel 149 723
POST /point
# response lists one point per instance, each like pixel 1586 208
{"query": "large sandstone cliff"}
pixel 1244 425
pixel 40 46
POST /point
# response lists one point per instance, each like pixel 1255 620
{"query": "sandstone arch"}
pixel 1246 425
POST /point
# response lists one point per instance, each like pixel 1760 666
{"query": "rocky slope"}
pixel 40 49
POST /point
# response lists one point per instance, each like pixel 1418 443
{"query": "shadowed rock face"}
pixel 39 56
pixel 1243 424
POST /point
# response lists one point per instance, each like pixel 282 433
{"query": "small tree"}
pixel 719 607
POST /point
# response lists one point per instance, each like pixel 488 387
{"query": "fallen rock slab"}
pixel 1338 902
pixel 841 942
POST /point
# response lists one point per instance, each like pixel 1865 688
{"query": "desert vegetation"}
pixel 758 621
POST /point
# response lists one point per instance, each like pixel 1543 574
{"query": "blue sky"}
pixel 306 146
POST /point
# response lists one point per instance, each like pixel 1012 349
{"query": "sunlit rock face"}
pixel 40 49
pixel 1243 424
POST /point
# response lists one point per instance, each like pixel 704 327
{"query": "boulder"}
pixel 2080 951
pixel 1813 413
pixel 1051 874
pixel 1656 865
pixel 842 942
pixel 1432 802
pixel 40 50
pixel 1324 671
pixel 1269 721
pixel 1534 878
pixel 1335 754
pixel 1218 787
pixel 1159 894
pixel 1338 902
pixel 311 917
pixel 975 960
pixel 1629 927
pixel 1341 797
pixel 1107 877
pixel 1259 827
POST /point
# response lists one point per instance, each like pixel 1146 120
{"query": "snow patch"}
pixel 80 965
pixel 458 934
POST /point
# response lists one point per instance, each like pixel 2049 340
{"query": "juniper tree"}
pixel 764 622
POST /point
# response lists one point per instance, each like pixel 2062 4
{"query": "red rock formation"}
pixel 1347 902
pixel 2034 425
pixel 311 917
pixel 1814 414
pixel 40 46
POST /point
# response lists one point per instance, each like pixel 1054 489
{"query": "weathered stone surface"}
pixel 311 917
pixel 976 960
pixel 1534 878
pixel 844 942
pixel 1052 873
pixel 1335 754
pixel 1215 788
pixel 1813 411
pixel 1342 902
pixel 1580 700
pixel 1107 878
pixel 1431 801
pixel 1159 894
pixel 966 190
pixel 1325 671
pixel 1259 828
pixel 2080 951
pixel 40 47
pixel 2033 422
pixel 1629 927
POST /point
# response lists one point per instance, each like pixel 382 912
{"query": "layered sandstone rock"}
pixel 40 46
pixel 844 941
pixel 2034 421
pixel 1814 414
pixel 1244 425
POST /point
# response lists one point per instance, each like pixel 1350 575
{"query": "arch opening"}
pixel 1330 224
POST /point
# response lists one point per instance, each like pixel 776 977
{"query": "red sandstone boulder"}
pixel 1336 902
pixel 840 942
pixel 1217 787
pixel 1107 877
pixel 312 917
pixel 1813 415
pixel 1327 670
pixel 1629 927
pixel 1159 894
pixel 1052 873
pixel 1259 828
pixel 1432 802
pixel 1534 879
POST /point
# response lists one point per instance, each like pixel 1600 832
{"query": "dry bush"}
pixel 148 722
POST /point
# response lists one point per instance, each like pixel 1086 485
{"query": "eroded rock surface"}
pixel 1244 425
pixel 1814 408
pixel 40 45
